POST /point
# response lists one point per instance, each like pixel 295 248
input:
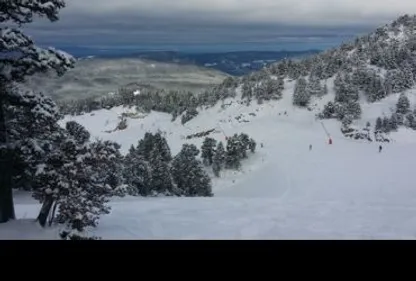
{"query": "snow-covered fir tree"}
pixel 252 145
pixel 160 144
pixel 314 87
pixel 189 174
pixel 301 96
pixel 233 153
pixel 161 180
pixel 73 182
pixel 137 173
pixel 379 125
pixel 386 124
pixel 218 159
pixel 403 104
pixel 394 122
pixel 20 58
pixel 208 150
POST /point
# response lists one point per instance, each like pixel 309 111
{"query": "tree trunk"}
pixel 45 210
pixel 53 213
pixel 6 193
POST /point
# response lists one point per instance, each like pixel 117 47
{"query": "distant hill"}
pixel 233 63
pixel 98 76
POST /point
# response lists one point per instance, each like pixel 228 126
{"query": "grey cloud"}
pixel 311 12
pixel 210 21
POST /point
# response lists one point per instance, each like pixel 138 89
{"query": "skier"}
pixel 310 147
pixel 380 148
pixel 330 141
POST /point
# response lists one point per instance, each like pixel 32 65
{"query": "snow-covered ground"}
pixel 346 190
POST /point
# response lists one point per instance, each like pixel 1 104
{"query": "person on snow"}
pixel 310 147
pixel 380 148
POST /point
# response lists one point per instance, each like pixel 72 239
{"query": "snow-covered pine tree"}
pixel 161 180
pixel 208 150
pixel 137 174
pixel 72 181
pixel 244 140
pixel 328 111
pixel 188 173
pixel 386 125
pixel 160 143
pixel 395 80
pixel 234 153
pixel 190 113
pixel 301 97
pixel 109 163
pixel 314 87
pixel 376 89
pixel 78 132
pixel 408 76
pixel 345 90
pixel 379 125
pixel 403 104
pixel 247 91
pixel 33 133
pixel 272 88
pixel 394 122
pixel 19 58
pixel 218 159
pixel 353 109
pixel 410 121
pixel 252 145
pixel 145 146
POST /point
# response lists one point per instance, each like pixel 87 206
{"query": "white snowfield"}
pixel 347 190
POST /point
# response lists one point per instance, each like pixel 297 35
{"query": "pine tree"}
pixel 396 80
pixel 328 111
pixel 252 145
pixel 208 150
pixel 345 90
pixel 218 159
pixel 145 146
pixel 19 58
pixel 137 175
pixel 300 96
pixel 109 162
pixel 188 173
pixel 403 104
pixel 314 87
pixel 386 125
pixel 410 121
pixel 72 180
pixel 353 109
pixel 234 153
pixel 379 125
pixel 77 131
pixel 244 140
pixel 161 181
pixel 247 91
pixel 34 132
pixel 394 122
pixel 160 144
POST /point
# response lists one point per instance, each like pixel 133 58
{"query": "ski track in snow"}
pixel 346 190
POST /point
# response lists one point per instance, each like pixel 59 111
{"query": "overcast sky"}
pixel 135 22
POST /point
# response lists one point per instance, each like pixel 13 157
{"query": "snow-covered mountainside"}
pixel 344 190
pixel 318 171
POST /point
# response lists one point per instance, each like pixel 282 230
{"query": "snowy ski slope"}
pixel 347 190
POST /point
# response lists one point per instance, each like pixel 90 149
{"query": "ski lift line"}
pixel 222 130
pixel 326 131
